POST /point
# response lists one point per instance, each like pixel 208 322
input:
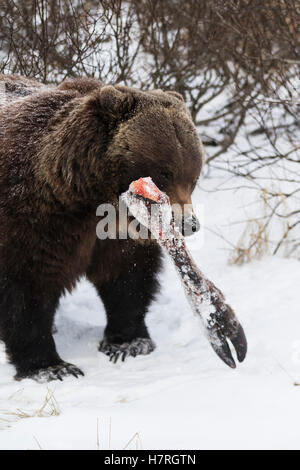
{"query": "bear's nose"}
pixel 190 225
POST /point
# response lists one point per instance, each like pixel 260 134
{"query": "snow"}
pixel 181 396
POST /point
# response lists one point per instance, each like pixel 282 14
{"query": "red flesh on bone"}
pixel 145 188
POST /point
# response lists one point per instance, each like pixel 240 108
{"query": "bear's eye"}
pixel 167 175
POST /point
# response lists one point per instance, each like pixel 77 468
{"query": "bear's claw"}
pixel 134 348
pixel 57 372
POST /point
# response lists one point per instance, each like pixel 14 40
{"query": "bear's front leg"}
pixel 126 295
pixel 26 320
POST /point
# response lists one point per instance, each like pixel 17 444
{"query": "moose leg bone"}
pixel 151 207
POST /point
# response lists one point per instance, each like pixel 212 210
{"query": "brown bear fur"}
pixel 63 151
pixel 14 86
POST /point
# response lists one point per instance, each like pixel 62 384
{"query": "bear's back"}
pixel 15 87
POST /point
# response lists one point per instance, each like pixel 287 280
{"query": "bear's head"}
pixel 153 135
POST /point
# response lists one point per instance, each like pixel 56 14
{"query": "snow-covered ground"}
pixel 181 396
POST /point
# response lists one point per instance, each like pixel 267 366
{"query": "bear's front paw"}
pixel 132 348
pixel 57 372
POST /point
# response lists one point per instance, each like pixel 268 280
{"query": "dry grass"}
pixel 134 443
pixel 48 409
pixel 136 440
pixel 253 243
pixel 39 445
pixel 255 240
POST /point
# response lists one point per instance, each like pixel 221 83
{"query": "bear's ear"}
pixel 176 95
pixel 115 103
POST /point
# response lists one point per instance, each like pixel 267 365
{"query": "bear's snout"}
pixel 185 218
pixel 189 225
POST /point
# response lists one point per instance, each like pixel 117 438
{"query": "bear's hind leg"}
pixel 26 320
pixel 126 298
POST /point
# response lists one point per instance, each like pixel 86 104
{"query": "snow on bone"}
pixel 151 207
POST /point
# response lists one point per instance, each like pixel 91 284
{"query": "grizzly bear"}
pixel 64 150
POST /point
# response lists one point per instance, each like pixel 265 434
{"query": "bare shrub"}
pixel 236 62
